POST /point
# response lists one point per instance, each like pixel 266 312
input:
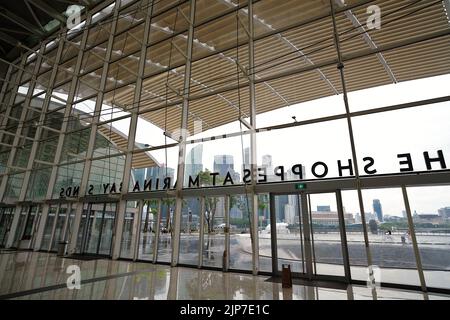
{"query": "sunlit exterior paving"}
pixel 157 143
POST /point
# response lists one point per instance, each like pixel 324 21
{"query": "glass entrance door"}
pixel 25 234
pixel 99 228
pixel 326 223
pixel 309 235
pixel 6 217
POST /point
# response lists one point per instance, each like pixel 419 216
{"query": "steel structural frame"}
pixel 357 183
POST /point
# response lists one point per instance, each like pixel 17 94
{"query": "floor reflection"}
pixel 35 275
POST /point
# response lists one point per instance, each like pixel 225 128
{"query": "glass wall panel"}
pixel 264 238
pixel 240 239
pixel 66 69
pixel 46 150
pixel 107 229
pixel 130 219
pixel 6 218
pixel 214 235
pixel 38 184
pixel 59 227
pixel 16 112
pixel 75 145
pixel 399 146
pixel 325 234
pixel 430 209
pixel 355 235
pixel 389 238
pixel 289 232
pixel 70 224
pixel 150 170
pixel 13 187
pixel 98 227
pixel 111 138
pixel 4 156
pixel 147 230
pixel 48 229
pixel 190 231
pixel 166 230
pixel 68 180
pixel 23 153
pixel 71 45
pixel 21 225
pixel 314 162
pixel 106 175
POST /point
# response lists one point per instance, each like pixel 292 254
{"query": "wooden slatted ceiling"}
pixel 415 61
pixel 140 160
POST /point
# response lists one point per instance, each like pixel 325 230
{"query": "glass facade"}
pixel 307 137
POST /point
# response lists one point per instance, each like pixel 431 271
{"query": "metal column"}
pixel 344 244
pixel 182 143
pixel 64 127
pixel 93 133
pixel 132 132
pixel 412 232
pixel 350 131
pixel 253 164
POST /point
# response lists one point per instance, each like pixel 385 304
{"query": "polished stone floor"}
pixel 37 275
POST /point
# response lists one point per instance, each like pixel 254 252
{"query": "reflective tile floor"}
pixel 37 275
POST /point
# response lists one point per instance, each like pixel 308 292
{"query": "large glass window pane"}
pixel 45 244
pixel 265 244
pixel 107 229
pixel 190 227
pixel 214 235
pixel 38 184
pixel 129 229
pixel 325 234
pixel 355 235
pixel 75 145
pixel 106 175
pixel 399 147
pixel 389 239
pixel 239 229
pixel 68 180
pixel 289 232
pixel 13 187
pixel 430 210
pixel 148 229
pixel 59 226
pixel 166 230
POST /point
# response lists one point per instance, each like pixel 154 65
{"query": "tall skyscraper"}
pixel 193 164
pixel 247 158
pixel 224 163
pixel 267 163
pixel 377 209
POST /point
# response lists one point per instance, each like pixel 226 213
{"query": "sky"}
pixel 381 136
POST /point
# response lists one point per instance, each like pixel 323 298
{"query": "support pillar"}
pixel 182 143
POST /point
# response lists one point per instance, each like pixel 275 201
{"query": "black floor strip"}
pixel 61 286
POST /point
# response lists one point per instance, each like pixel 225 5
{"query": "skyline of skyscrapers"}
pixel 377 209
